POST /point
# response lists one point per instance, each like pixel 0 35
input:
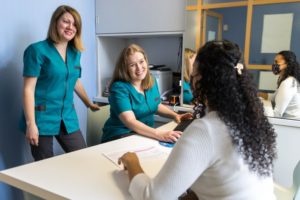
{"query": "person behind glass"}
pixel 134 99
pixel 228 153
pixel 286 99
pixel 189 57
pixel 51 74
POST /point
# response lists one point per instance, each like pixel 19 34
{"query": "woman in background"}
pixel 286 99
pixel 51 74
pixel 226 154
pixel 189 57
pixel 134 99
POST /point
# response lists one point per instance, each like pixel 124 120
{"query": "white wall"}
pixel 288 148
pixel 22 23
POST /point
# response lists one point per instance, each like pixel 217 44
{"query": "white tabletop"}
pixel 84 174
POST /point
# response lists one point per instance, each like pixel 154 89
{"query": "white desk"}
pixel 83 174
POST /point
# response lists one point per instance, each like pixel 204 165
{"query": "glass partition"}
pixel 189 42
pixel 220 23
pixel 261 29
pixel 275 28
pixel 219 1
pixel 191 2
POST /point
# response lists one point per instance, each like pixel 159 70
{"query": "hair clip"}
pixel 239 68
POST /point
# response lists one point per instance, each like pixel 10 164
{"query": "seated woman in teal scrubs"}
pixel 134 99
pixel 189 57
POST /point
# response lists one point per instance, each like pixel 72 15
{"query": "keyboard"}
pixel 183 125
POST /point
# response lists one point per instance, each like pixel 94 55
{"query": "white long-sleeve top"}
pixel 205 160
pixel 287 99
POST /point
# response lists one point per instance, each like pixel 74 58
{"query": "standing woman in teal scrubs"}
pixel 134 99
pixel 51 74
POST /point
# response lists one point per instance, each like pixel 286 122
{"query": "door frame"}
pixel 210 13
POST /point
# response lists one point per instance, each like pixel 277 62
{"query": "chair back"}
pixel 95 123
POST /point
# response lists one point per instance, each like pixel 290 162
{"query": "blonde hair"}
pixel 52 31
pixel 121 72
pixel 188 54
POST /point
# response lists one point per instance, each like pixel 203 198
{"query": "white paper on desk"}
pixel 144 153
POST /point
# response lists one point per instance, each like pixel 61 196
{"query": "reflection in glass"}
pixel 190 32
pixel 286 99
pixel 212 26
pixel 189 42
pixel 189 58
pixel 234 28
pixel 191 2
pixel 219 1
pixel 259 13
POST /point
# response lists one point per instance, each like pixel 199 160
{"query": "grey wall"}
pixel 24 22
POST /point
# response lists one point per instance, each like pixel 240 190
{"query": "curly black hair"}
pixel 293 67
pixel 231 92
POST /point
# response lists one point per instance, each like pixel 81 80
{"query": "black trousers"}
pixel 69 142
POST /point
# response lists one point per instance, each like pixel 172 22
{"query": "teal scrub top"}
pixel 124 97
pixel 55 84
pixel 187 93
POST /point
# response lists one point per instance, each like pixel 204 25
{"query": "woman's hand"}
pixel 80 91
pixel 181 117
pixel 94 107
pixel 32 134
pixel 169 136
pixel 131 164
pixel 128 159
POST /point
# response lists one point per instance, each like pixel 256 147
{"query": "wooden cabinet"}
pixel 139 16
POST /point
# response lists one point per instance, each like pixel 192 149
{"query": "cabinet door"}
pixel 139 16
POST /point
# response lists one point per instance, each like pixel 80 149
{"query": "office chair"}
pixel 292 193
pixel 95 123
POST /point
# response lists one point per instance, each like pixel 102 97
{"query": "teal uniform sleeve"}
pixel 119 98
pixel 32 62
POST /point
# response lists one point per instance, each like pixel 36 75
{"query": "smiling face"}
pixel 66 27
pixel 137 67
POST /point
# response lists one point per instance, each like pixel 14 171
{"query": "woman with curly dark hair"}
pixel 228 152
pixel 286 99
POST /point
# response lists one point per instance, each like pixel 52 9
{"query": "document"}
pixel 143 153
